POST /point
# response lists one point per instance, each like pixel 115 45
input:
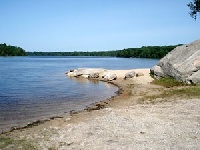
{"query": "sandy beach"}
pixel 126 121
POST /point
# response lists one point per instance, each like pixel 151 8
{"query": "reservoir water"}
pixel 33 88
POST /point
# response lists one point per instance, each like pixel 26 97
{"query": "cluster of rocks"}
pixel 99 73
pixel 182 63
pixel 132 74
pixel 91 73
pixel 85 72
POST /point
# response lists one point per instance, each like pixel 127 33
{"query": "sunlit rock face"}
pixel 182 63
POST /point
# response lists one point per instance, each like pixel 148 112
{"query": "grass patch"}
pixel 168 82
pixel 174 89
pixel 184 91
pixel 8 143
pixel 192 91
pixel 4 142
pixel 177 88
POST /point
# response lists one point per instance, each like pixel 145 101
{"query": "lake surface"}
pixel 33 88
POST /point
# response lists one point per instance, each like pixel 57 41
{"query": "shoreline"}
pixel 93 106
pixel 121 92
pixel 127 121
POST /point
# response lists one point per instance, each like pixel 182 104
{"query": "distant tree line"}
pixel 146 51
pixel 7 50
pixel 143 52
pixel 75 53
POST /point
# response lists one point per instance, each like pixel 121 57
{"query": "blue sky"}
pixel 94 25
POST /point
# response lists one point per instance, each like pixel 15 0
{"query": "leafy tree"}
pixel 195 8
pixel 7 50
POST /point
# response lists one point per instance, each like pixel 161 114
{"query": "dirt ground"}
pixel 126 122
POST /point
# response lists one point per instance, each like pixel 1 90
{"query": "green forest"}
pixel 7 50
pixel 143 52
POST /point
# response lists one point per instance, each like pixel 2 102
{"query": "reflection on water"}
pixel 79 80
pixel 84 80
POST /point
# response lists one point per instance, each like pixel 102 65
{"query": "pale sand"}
pixel 127 123
pixel 144 79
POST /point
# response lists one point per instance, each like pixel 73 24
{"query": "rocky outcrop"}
pixel 182 63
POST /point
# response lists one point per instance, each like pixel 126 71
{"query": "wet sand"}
pixel 125 121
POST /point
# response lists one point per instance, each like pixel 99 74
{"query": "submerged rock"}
pixel 182 63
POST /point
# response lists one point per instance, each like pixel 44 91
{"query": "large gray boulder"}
pixel 182 63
